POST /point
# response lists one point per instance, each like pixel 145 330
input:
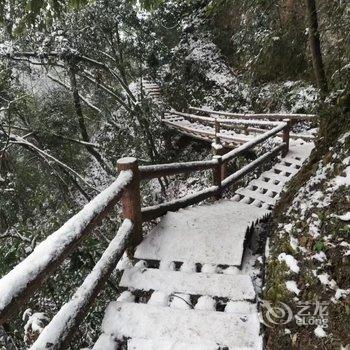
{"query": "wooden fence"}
pixel 25 279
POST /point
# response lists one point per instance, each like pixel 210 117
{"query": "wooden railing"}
pixel 25 279
pixel 270 116
pixel 245 122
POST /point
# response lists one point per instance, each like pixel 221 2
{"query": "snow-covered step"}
pixel 109 342
pixel 206 234
pixel 266 185
pixel 234 287
pixel 265 198
pixel 273 177
pixel 293 161
pixel 234 330
pixel 286 169
pixel 163 344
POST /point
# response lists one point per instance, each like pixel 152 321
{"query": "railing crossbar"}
pixel 211 120
pixel 274 116
pixel 250 144
pixel 156 171
pixel 251 166
pixel 61 328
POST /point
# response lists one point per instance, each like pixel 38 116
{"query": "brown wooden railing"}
pixel 270 116
pixel 25 279
pixel 248 124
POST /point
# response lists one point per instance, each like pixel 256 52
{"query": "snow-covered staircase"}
pixel 189 289
pixel 200 130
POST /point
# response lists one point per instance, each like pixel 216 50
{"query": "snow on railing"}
pixel 212 120
pixel 59 331
pixel 250 144
pixel 21 282
pixel 272 116
pixel 219 167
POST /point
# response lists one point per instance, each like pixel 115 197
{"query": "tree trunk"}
pixel 315 46
pixel 80 115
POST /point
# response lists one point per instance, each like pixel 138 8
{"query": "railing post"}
pixel 217 176
pixel 219 150
pixel 285 137
pixel 217 131
pixel 131 200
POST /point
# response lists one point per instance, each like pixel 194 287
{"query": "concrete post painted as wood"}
pixel 131 200
pixel 217 132
pixel 286 136
pixel 217 176
pixel 219 150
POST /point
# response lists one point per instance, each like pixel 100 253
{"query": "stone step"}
pixel 206 234
pixel 297 164
pixel 234 330
pixel 274 177
pixel 163 344
pixel 286 169
pixel 108 342
pixel 265 198
pixel 233 287
pixel 266 185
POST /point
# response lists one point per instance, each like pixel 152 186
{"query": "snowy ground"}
pixel 310 250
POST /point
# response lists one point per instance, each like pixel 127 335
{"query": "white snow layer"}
pixel 291 262
pixel 67 314
pixel 292 287
pixel 319 332
pixel 345 217
pixel 51 248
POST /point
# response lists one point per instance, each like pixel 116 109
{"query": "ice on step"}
pixel 124 263
pixel 105 342
pixel 231 270
pixel 209 268
pixel 168 344
pixel 141 264
pixel 240 307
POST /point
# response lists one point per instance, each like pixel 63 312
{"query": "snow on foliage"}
pixel 291 262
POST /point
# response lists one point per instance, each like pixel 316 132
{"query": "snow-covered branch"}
pixel 84 99
pixel 14 139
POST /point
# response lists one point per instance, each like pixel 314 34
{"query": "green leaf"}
pixel 319 246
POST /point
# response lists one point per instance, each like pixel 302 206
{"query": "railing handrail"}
pixel 161 170
pixel 61 328
pixel 274 116
pixel 24 279
pixel 211 134
pixel 225 121
pixel 250 144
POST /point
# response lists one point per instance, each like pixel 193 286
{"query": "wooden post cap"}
pixel 126 160
pixel 127 163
